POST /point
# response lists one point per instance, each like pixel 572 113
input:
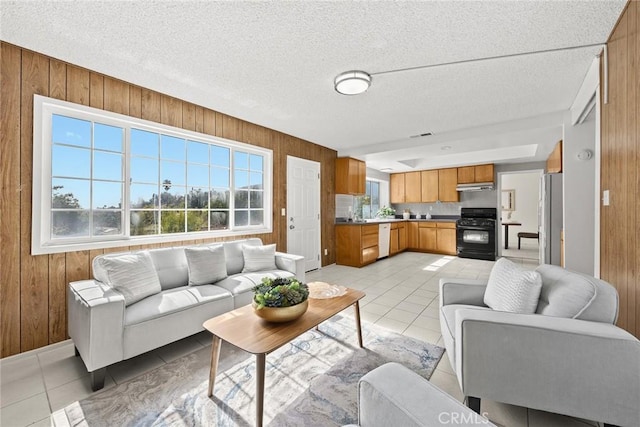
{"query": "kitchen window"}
pixel 370 202
pixel 104 180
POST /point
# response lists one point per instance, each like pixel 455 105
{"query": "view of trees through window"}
pixel 369 204
pixel 176 185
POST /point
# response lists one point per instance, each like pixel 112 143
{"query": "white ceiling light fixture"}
pixel 352 82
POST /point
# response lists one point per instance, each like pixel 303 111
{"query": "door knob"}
pixel 291 227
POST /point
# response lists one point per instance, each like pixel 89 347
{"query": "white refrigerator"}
pixel 550 218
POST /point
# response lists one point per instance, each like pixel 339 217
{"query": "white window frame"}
pixel 41 241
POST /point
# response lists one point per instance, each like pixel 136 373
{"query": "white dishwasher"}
pixel 384 236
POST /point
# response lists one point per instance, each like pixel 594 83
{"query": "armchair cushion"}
pixel 206 264
pixel 513 289
pixel 259 258
pixel 131 274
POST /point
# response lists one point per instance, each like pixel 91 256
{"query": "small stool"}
pixel 525 235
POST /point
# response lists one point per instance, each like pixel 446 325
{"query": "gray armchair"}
pixel 567 358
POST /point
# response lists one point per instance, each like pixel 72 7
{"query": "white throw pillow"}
pixel 207 264
pixel 512 288
pixel 132 275
pixel 259 258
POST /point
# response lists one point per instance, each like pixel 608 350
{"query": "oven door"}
pixel 476 242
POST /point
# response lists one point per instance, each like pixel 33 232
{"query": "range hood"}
pixel 478 186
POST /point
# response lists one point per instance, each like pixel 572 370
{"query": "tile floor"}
pixel 401 295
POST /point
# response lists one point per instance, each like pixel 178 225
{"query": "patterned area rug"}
pixel 312 381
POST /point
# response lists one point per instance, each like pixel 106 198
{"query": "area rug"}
pixel 311 381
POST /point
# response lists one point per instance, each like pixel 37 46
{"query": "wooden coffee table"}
pixel 245 330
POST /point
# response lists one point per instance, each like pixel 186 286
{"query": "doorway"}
pixel 303 210
pixel 520 210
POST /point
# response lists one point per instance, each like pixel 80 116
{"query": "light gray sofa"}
pixel 105 330
pixel 568 357
pixel 393 395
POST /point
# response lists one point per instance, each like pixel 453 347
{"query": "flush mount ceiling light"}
pixel 352 82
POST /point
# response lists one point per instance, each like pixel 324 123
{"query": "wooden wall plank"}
pixel 636 72
pixel 151 105
pixel 57 298
pixel 631 157
pixel 77 266
pixel 10 80
pixel 135 102
pixel 77 85
pixel 96 90
pixel 116 96
pixel 170 111
pixel 209 122
pixel 188 116
pixel 34 270
pixel 199 119
pixel 57 79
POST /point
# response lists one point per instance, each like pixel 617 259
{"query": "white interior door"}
pixel 303 210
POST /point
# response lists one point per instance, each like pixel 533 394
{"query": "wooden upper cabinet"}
pixel 474 174
pixel 429 181
pixel 447 183
pixel 483 173
pixel 396 190
pixel 467 175
pixel 351 176
pixel 412 187
pixel 554 162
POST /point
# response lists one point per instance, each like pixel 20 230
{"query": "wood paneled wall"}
pixel 33 309
pixel 620 168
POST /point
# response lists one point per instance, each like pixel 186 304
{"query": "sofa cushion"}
pixel 171 266
pixel 233 254
pixel 206 264
pixel 259 258
pixel 171 301
pixel 569 294
pixel 131 274
pixel 513 289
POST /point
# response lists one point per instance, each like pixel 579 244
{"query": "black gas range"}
pixel 476 233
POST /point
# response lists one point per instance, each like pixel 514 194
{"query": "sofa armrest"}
pixel 292 263
pixel 96 322
pixel 574 367
pixel 462 291
pixel 393 395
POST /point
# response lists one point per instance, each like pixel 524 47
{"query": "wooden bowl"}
pixel 281 314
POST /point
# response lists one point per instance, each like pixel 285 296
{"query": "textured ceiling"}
pixel 273 63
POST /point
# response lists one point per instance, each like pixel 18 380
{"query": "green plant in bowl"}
pixel 279 292
pixel 386 212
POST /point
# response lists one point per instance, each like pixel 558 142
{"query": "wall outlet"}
pixel 605 198
pixel 326 252
pixel 284 212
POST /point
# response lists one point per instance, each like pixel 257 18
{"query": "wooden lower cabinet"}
pixel 446 241
pixel 356 245
pixel 398 242
pixel 427 236
pixel 436 237
pixel 412 235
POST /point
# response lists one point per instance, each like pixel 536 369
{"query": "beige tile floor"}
pixel 401 295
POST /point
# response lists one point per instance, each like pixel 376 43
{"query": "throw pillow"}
pixel 132 275
pixel 207 264
pixel 512 288
pixel 259 258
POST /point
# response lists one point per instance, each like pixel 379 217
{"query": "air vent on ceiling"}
pixel 421 135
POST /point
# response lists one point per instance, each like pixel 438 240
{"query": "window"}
pixel 102 179
pixel 370 202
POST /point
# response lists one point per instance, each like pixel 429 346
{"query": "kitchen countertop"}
pixel 388 220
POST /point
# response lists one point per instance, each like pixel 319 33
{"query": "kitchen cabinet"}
pixel 476 174
pixel 429 186
pixel 398 241
pixel 356 245
pixel 446 238
pixel 447 183
pixel 427 236
pixel 412 235
pixel 351 176
pixel 396 188
pixel 554 162
pixel 412 187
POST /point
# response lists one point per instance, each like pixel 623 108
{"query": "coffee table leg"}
pixel 260 367
pixel 215 355
pixel 357 307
